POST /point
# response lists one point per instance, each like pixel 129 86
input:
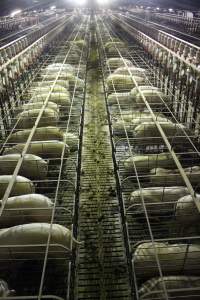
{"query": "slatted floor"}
pixel 101 261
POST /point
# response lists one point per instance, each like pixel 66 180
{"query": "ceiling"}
pixel 182 4
pixel 6 6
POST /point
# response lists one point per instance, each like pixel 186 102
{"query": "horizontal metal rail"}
pixel 182 48
pixel 9 23
pixel 9 39
pixel 30 52
pixel 191 25
pixel 178 72
pixel 11 49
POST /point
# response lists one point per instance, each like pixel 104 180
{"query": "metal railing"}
pixel 149 221
pixel 60 182
pixel 177 72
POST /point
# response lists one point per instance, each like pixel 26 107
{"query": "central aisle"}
pixel 101 260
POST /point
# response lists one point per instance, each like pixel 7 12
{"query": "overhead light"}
pixel 15 12
pixel 53 7
pixel 80 2
pixel 158 8
pixel 103 2
pixel 170 9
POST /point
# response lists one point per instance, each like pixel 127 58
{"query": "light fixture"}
pixel 102 2
pixel 170 9
pixel 53 7
pixel 15 12
pixel 158 8
pixel 79 2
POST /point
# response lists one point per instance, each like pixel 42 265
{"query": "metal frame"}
pixel 181 47
pixel 138 226
pixel 59 186
pixel 177 73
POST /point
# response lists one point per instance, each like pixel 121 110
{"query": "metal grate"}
pixel 101 261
